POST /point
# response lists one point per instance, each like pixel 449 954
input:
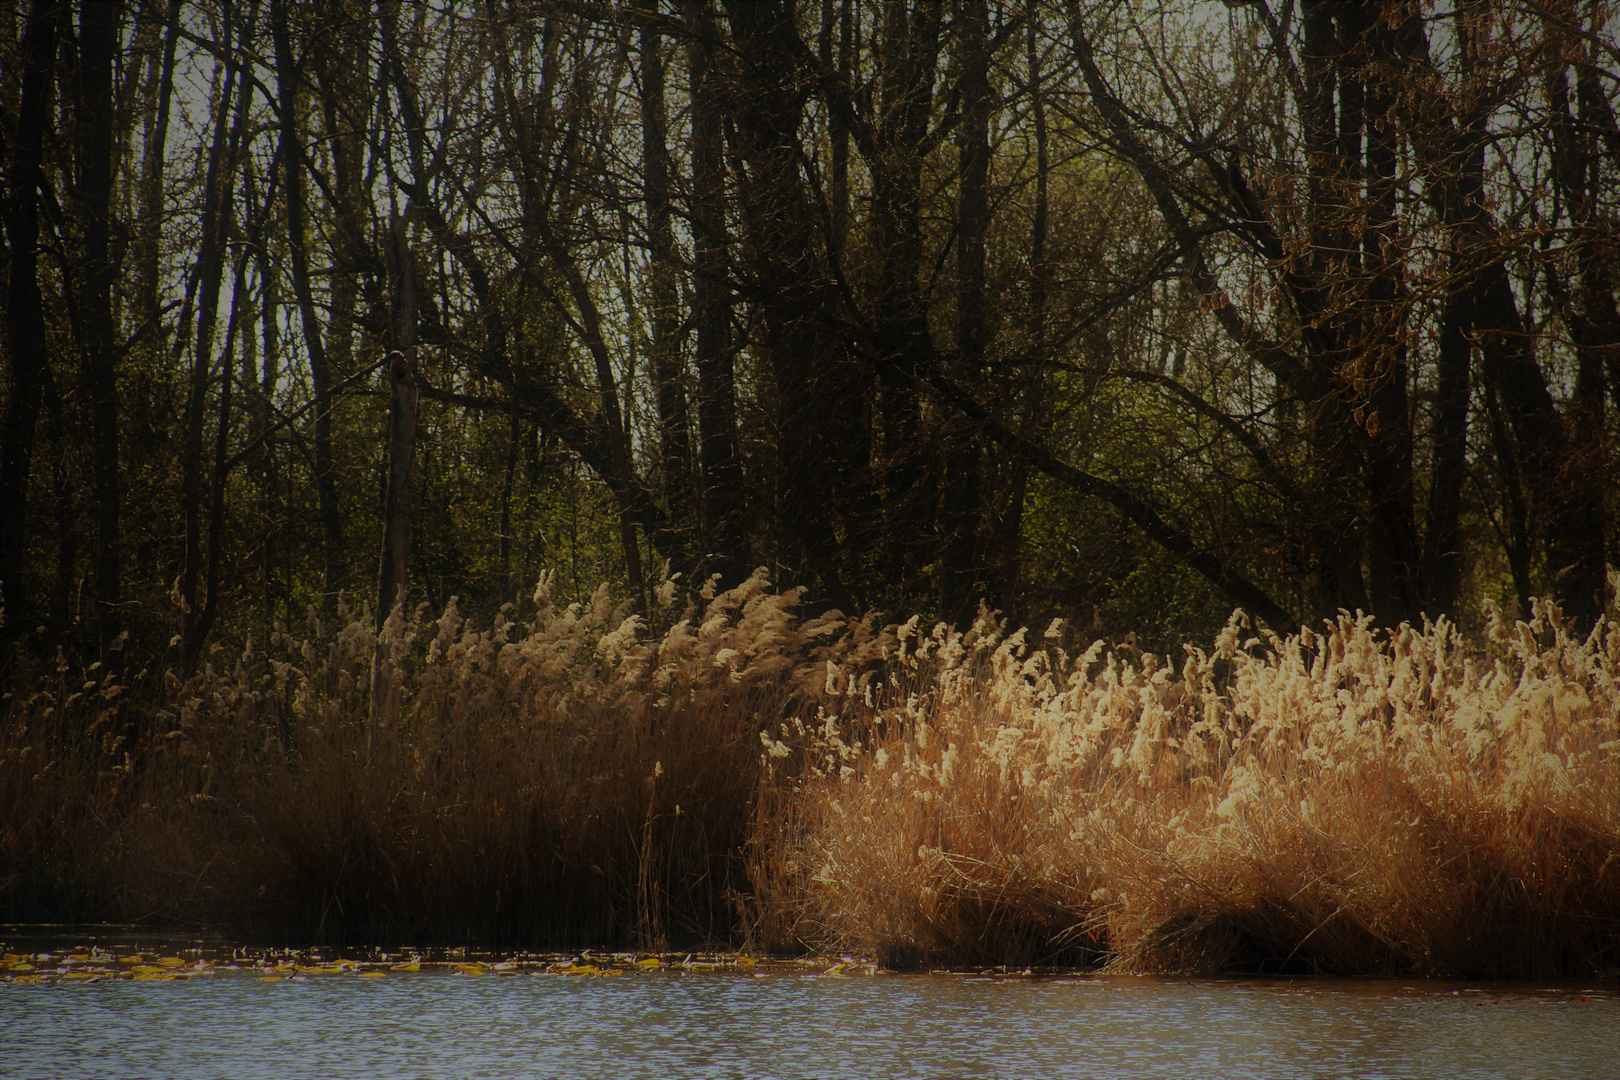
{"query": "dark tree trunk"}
pixel 392 580
pixel 391 577
pixel 960 509
pixel 221 468
pixel 668 372
pixel 218 192
pixel 508 481
pixel 784 271
pixel 1515 524
pixel 1012 520
pixel 725 549
pixel 1458 190
pixel 619 472
pixel 1393 557
pixel 1443 561
pixel 98 48
pixel 66 519
pixel 1565 509
pixel 345 89
pixel 262 465
pixel 910 49
pixel 1587 305
pixel 1331 121
pixel 292 162
pixel 27 356
pixel 148 257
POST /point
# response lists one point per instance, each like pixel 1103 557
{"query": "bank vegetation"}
pixel 1342 800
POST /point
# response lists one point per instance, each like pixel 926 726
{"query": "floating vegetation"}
pixel 172 962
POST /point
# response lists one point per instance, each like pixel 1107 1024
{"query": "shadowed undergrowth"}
pixel 1338 801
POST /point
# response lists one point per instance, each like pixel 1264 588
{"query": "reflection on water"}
pixel 301 1015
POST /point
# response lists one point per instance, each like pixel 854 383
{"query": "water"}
pixel 787 1020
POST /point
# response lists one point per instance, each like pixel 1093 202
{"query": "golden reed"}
pixel 1344 801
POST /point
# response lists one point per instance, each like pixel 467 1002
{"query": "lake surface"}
pixel 206 1011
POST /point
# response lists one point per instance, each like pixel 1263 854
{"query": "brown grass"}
pixel 1343 802
pixel 575 778
pixel 1346 801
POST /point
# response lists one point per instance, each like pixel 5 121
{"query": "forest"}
pixel 751 330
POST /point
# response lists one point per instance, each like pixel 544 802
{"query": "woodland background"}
pixel 1129 313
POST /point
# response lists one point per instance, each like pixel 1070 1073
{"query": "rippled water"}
pixel 792 1021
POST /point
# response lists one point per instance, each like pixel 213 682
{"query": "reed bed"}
pixel 1347 801
pixel 1344 802
pixel 575 778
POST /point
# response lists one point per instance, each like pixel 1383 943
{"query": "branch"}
pixel 1271 355
pixel 241 455
pixel 1285 487
pixel 888 359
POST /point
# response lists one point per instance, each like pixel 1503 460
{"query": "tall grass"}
pixel 1344 801
pixel 1337 802
pixel 577 777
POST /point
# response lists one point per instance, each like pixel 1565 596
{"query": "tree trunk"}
pixel 344 86
pixel 508 481
pixel 27 355
pixel 1458 191
pixel 221 469
pixel 777 215
pixel 910 49
pixel 725 547
pixel 391 577
pixel 148 258
pixel 98 48
pixel 66 520
pixel 292 162
pixel 621 477
pixel 1012 520
pixel 960 510
pixel 402 396
pixel 1587 305
pixel 1393 559
pixel 667 370
pixel 218 192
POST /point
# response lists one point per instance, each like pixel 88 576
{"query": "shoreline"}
pixel 89 953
